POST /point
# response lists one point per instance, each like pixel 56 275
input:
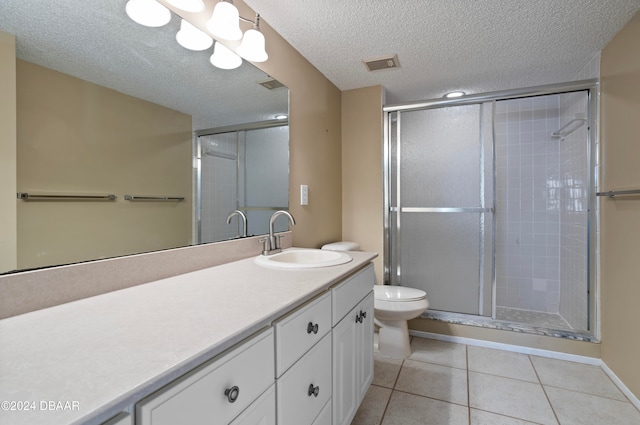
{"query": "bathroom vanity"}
pixel 237 344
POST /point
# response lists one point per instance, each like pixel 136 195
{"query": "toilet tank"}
pixel 341 246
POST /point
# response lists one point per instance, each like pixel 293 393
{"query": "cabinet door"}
pixel 365 345
pixel 345 369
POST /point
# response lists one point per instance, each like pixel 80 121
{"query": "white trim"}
pixel 509 347
pixel 625 390
pixel 535 352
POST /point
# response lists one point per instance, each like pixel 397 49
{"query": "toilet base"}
pixel 393 339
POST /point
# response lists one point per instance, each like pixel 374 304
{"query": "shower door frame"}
pixel 593 93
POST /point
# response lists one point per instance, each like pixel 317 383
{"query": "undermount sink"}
pixel 303 258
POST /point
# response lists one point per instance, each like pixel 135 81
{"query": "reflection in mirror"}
pixel 106 106
pixel 247 170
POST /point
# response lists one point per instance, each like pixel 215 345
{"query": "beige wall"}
pixel 315 140
pixel 620 218
pixel 362 186
pixel 81 138
pixel 8 246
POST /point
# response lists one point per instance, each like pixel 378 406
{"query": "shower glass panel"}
pixel 543 191
pixel 441 206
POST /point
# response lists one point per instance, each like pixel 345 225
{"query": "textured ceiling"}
pixel 96 41
pixel 444 45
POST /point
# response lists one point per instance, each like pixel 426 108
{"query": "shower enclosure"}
pixel 490 205
pixel 245 168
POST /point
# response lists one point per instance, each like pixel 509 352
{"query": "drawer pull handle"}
pixel 232 394
pixel 312 328
pixel 313 391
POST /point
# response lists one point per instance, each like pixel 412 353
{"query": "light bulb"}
pixel 224 23
pixel 193 6
pixel 149 13
pixel 192 38
pixel 224 58
pixel 252 46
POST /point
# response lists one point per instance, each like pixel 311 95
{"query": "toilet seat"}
pixel 397 293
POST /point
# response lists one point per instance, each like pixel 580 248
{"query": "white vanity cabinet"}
pixel 352 344
pixel 216 392
pixel 303 362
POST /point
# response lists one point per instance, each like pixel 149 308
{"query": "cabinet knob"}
pixel 363 314
pixel 313 391
pixel 312 328
pixel 232 393
pixel 359 318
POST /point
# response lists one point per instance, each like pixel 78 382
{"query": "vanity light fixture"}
pixel 252 46
pixel 225 22
pixel 454 94
pixel 149 13
pixel 192 38
pixel 225 25
pixel 193 6
pixel 224 58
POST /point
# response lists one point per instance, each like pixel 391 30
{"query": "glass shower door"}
pixel 441 204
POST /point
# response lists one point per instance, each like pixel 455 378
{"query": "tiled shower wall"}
pixel 528 204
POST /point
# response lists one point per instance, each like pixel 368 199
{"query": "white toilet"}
pixel 393 307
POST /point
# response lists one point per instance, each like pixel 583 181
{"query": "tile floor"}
pixel 458 384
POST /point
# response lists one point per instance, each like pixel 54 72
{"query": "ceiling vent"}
pixel 382 63
pixel 271 84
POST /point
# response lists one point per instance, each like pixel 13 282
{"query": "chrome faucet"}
pixel 242 216
pixel 272 243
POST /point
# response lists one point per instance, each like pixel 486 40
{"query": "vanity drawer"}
pixel 324 418
pixel 298 332
pixel 303 391
pixel 261 412
pixel 215 392
pixel 349 293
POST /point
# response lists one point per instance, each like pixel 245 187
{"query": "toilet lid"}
pixel 397 293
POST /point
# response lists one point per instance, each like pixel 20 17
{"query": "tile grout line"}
pixel 543 389
pixel 466 350
pixel 393 388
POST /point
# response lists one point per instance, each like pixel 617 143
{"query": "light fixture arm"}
pixel 256 23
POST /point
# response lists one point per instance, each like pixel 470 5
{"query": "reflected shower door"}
pixel 441 199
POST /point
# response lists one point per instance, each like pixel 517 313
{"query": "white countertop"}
pixel 98 355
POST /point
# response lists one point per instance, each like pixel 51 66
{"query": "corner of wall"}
pixel 8 153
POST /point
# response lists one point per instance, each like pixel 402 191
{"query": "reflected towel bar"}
pixel 31 197
pixel 614 193
pixel 153 198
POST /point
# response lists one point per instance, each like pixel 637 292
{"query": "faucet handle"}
pixel 265 245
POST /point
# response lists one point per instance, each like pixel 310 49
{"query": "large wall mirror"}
pixel 109 107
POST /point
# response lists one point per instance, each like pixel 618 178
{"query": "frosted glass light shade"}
pixel 224 23
pixel 149 13
pixel 252 46
pixel 193 6
pixel 192 38
pixel 224 58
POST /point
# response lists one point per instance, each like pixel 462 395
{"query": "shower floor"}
pixel 535 318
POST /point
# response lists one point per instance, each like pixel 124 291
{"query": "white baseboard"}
pixel 535 352
pixel 626 391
